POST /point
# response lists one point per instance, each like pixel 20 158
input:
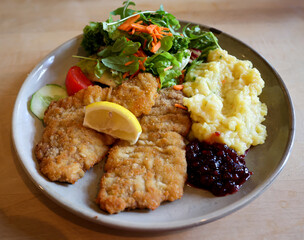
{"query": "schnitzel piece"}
pixel 67 148
pixel 144 175
pixel 137 94
pixel 154 169
pixel 164 116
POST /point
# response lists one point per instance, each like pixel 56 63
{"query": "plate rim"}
pixel 180 224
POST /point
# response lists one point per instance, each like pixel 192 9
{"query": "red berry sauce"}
pixel 215 167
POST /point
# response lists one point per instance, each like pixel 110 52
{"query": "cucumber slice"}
pixel 44 96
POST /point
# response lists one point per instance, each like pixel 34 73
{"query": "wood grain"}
pixel 30 29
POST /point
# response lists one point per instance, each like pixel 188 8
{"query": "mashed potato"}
pixel 222 97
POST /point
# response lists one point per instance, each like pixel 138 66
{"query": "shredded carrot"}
pixel 182 77
pixel 159 83
pixel 155 39
pixel 132 25
pixel 126 25
pixel 178 87
pixel 156 47
pixel 151 28
pixel 140 53
pixel 167 68
pixel 128 63
pixel 223 81
pixel 145 43
pixel 134 74
pixel 166 33
pixel 126 74
pixel 141 65
pixel 138 27
pixel 180 106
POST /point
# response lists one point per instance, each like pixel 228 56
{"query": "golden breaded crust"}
pixel 137 94
pixel 67 148
pixel 164 116
pixel 154 169
pixel 144 175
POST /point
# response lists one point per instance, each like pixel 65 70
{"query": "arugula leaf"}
pixel 91 65
pixel 124 11
pixel 162 18
pixel 130 48
pixel 166 44
pixel 118 63
pixel 120 47
pixel 202 40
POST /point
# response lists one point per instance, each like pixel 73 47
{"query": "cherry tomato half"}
pixel 76 80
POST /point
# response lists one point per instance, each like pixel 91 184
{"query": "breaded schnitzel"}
pixel 154 169
pixel 67 148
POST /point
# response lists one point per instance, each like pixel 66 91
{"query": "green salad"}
pixel 142 41
pixel 138 41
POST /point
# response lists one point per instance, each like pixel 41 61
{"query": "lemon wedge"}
pixel 112 119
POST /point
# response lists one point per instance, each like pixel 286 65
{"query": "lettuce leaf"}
pixel 199 39
pixel 93 37
pixel 158 65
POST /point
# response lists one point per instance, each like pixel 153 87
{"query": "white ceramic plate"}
pixel 196 206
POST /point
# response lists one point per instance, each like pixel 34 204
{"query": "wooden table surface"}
pixel 31 29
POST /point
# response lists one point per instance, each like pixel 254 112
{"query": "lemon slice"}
pixel 112 119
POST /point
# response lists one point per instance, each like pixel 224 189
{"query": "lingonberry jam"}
pixel 215 167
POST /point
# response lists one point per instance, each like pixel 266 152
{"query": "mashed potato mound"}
pixel 222 97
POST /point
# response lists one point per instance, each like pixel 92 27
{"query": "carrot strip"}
pixel 145 43
pixel 126 74
pixel 159 83
pixel 128 63
pixel 133 75
pixel 155 47
pixel 166 29
pixel 180 106
pixel 182 77
pixel 178 87
pixel 167 68
pixel 165 33
pixel 156 32
pixel 141 65
pixel 126 24
pixel 139 27
pixel 151 28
